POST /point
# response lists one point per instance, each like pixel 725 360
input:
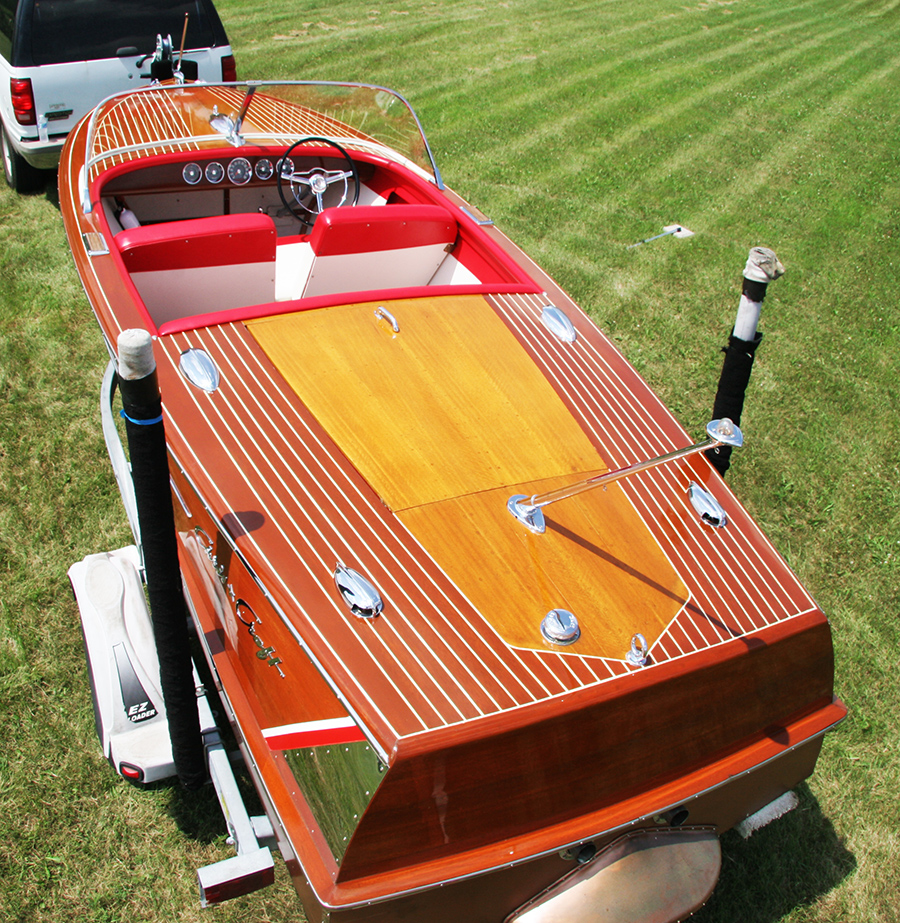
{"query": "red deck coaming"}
pixel 111 294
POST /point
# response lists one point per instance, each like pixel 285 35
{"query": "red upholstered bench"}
pixel 367 228
pixel 202 265
pixel 370 247
pixel 222 240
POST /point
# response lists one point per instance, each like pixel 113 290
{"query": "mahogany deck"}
pixel 159 122
pixel 447 419
pixel 434 660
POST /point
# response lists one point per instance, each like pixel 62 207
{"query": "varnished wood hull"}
pixel 336 440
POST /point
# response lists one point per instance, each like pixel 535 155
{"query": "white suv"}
pixel 59 58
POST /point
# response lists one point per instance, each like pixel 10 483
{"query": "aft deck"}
pixel 435 659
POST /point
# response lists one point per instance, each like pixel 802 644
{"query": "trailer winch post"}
pixel 142 411
pixel 762 267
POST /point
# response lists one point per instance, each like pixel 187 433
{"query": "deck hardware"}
pixel 559 626
pixel 94 243
pixel 357 592
pixel 637 656
pixel 528 509
pixel 677 817
pixel 382 313
pixel 558 324
pixel 199 369
pixel 579 854
pixel 481 222
pixel 244 611
pixel 228 127
pixel 706 506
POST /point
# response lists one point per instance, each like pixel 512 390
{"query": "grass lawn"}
pixel 580 128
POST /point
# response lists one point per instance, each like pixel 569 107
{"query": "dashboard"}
pixel 238 171
pixel 219 172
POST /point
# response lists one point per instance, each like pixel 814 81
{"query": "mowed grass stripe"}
pixel 593 103
pixel 767 130
pixel 612 90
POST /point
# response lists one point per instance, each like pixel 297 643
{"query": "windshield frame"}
pixel 387 107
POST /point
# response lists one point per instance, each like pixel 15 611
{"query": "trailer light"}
pixel 236 876
pixel 133 773
pixel 22 100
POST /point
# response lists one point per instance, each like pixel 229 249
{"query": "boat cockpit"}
pixel 235 226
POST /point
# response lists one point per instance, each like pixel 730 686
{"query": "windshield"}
pixel 200 116
pixel 86 30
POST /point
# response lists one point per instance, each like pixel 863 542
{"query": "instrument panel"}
pixel 237 172
pixel 217 172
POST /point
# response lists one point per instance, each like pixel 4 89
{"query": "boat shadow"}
pixel 790 863
pixel 198 814
pixel 49 189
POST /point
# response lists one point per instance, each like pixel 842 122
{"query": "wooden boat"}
pixel 451 709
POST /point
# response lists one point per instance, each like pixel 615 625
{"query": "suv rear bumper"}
pixel 39 154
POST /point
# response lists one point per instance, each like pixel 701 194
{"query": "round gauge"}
pixel 240 171
pixel 264 168
pixel 215 172
pixel 192 173
pixel 285 166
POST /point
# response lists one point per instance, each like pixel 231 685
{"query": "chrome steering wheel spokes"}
pixel 306 200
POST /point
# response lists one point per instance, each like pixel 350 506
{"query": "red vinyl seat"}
pixel 371 228
pixel 222 240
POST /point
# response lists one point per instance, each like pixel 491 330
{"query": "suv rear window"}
pixel 84 30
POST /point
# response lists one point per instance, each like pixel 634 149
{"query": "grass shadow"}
pixel 790 863
pixel 198 814
pixel 51 189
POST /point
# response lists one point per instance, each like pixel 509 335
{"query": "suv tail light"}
pixel 22 100
pixel 229 69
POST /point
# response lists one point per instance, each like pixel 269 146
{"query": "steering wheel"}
pixel 307 187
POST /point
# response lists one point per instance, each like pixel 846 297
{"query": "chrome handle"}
pixel 384 314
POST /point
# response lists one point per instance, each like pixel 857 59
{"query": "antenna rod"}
pixel 183 37
pixel 528 509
